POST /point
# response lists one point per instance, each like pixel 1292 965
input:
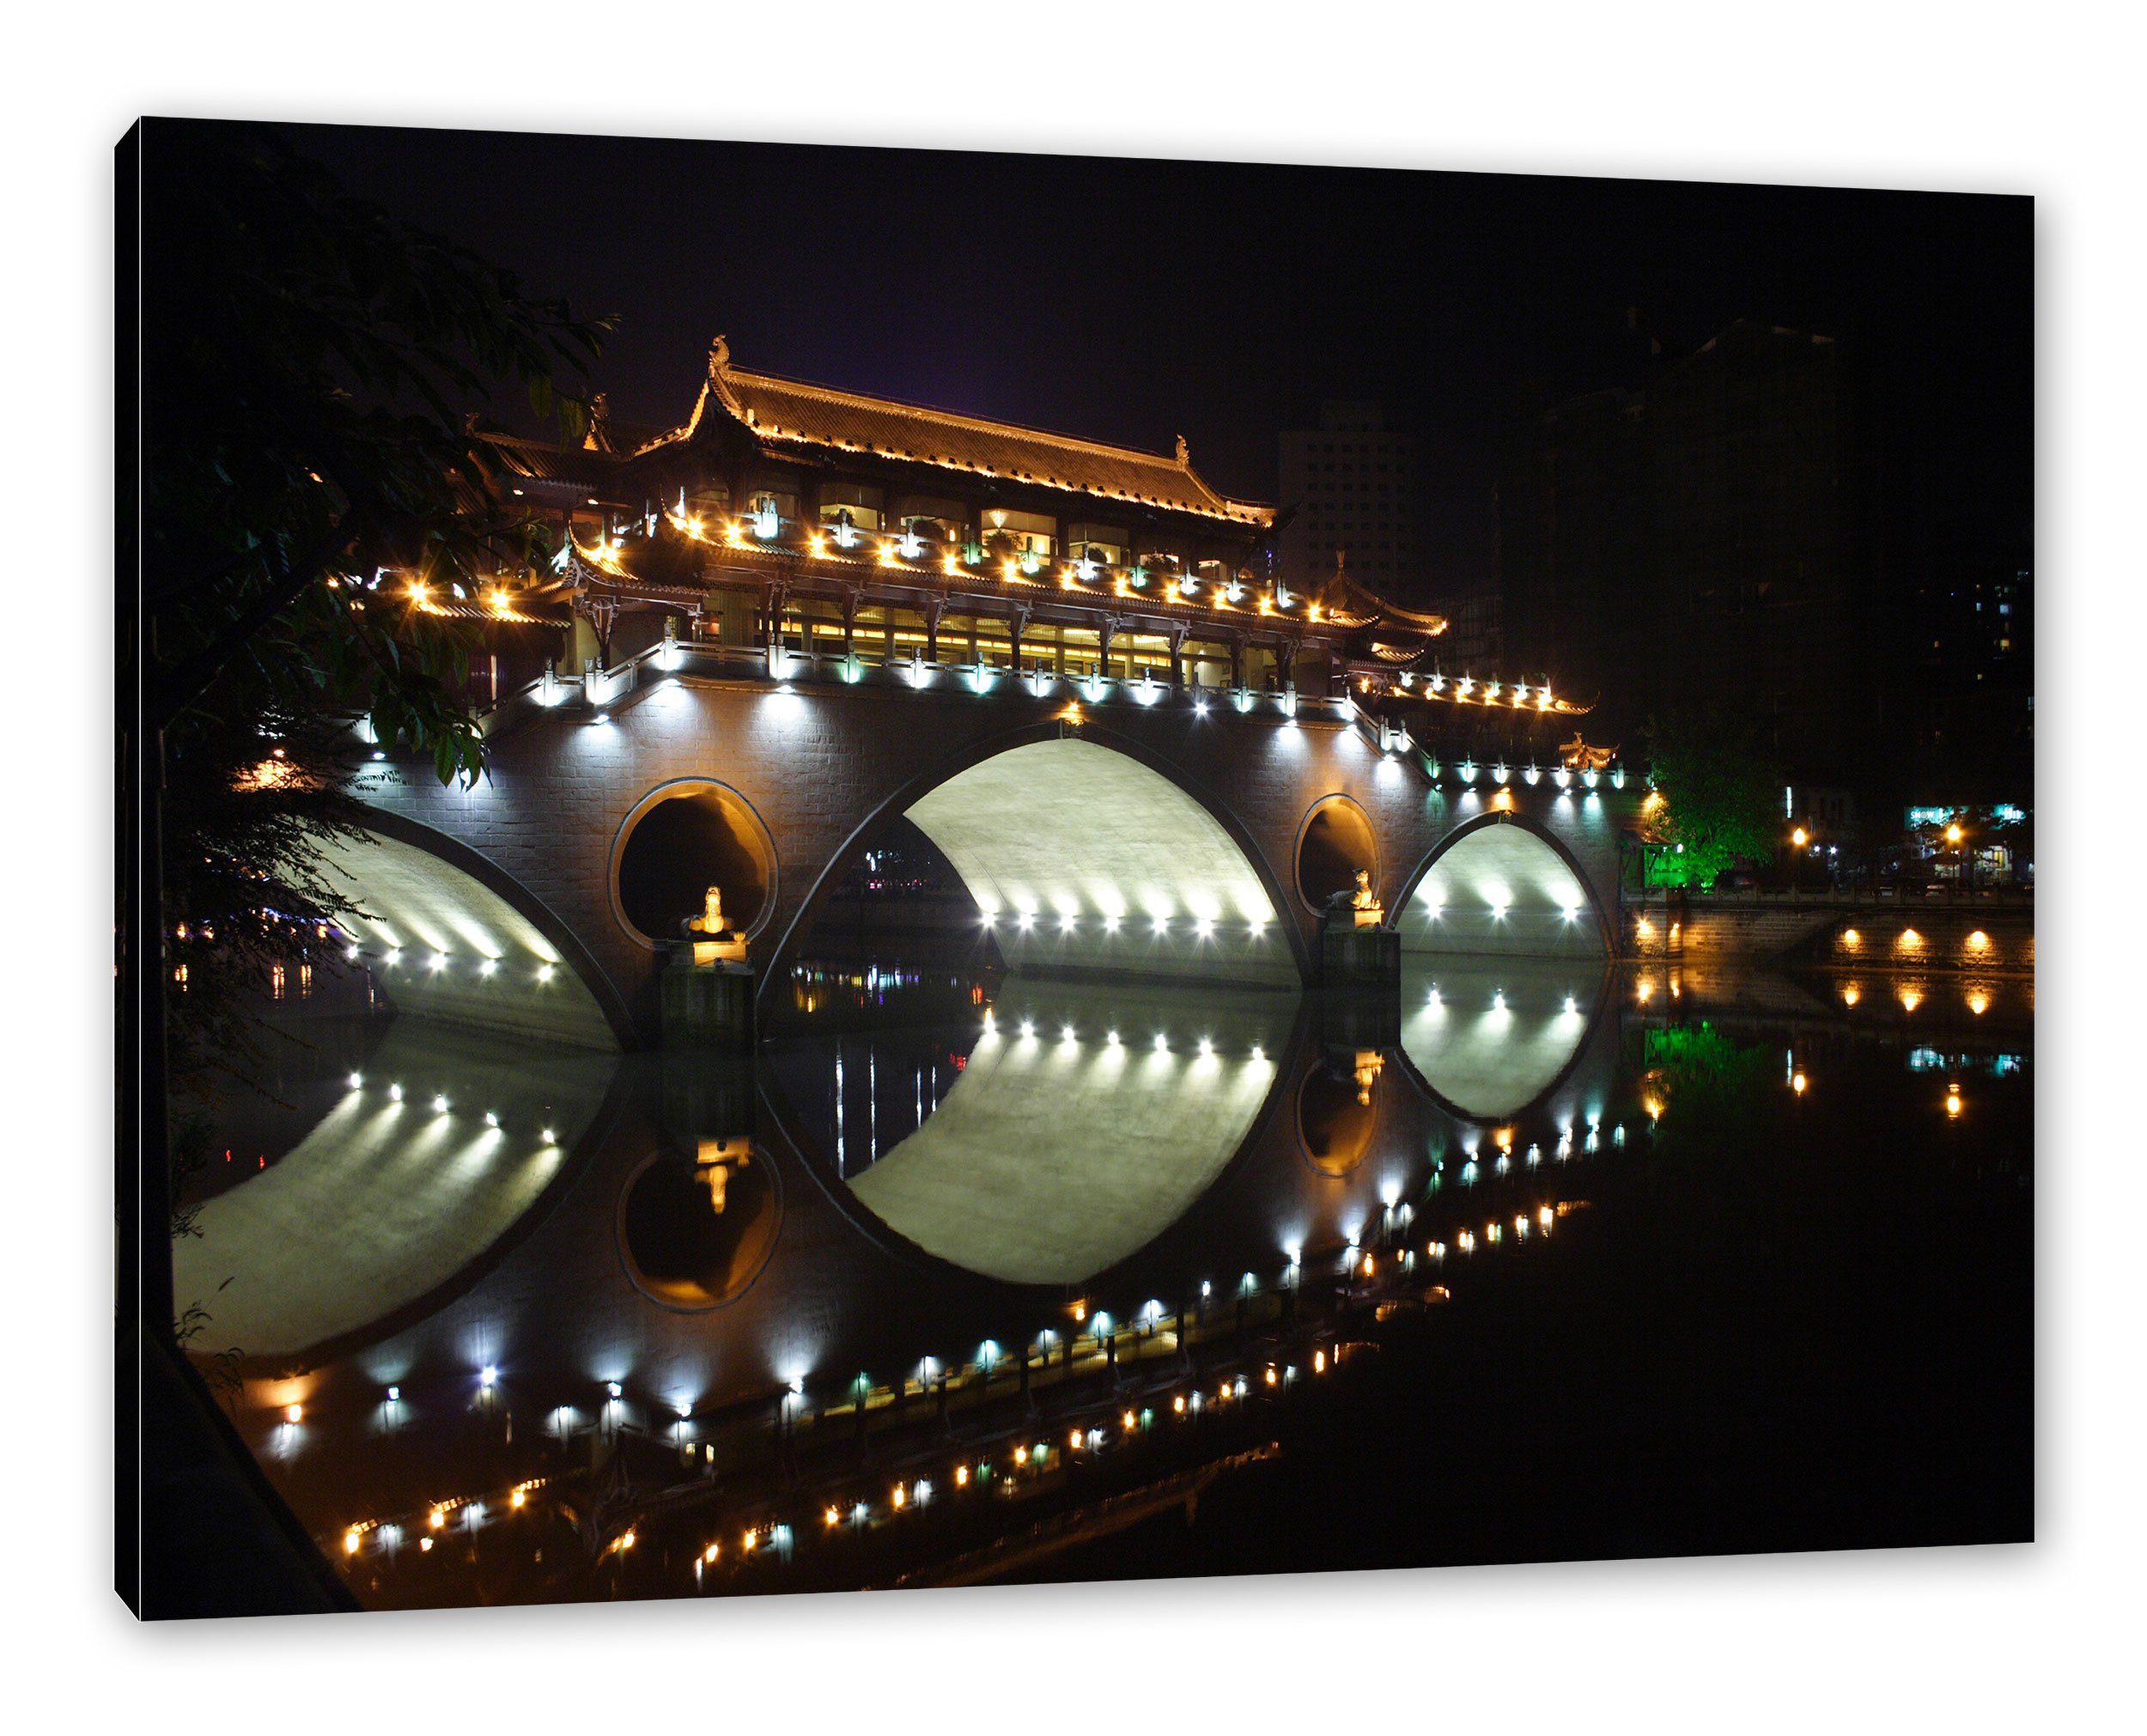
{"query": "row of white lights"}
pixel 1435 910
pixel 487 966
pixel 440 1106
pixel 1203 927
pixel 1433 998
pixel 1068 1033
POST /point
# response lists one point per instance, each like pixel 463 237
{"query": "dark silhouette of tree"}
pixel 307 365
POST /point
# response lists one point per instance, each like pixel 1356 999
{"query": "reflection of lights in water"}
pixel 1952 1101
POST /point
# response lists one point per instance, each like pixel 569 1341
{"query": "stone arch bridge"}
pixel 1117 827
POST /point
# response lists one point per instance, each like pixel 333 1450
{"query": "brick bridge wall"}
pixel 824 766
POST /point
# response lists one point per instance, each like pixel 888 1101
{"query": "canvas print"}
pixel 855 868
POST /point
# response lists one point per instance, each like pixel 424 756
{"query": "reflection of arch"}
pixel 420 888
pixel 681 838
pixel 387 1207
pixel 1507 853
pixel 1052 1160
pixel 695 1232
pixel 1056 826
pixel 1334 839
pixel 1334 1125
pixel 1462 1059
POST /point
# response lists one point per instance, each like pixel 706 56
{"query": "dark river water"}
pixel 964 1276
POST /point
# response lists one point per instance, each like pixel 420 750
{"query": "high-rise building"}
pixel 1971 701
pixel 1351 487
pixel 1696 540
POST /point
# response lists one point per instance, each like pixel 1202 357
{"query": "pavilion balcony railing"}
pixel 1159 576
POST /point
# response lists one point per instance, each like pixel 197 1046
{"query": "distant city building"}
pixel 1971 705
pixel 1475 640
pixel 1692 541
pixel 1352 487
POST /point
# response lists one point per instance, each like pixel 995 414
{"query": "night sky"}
pixel 1134 300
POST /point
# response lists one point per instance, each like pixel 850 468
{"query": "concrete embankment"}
pixel 1986 935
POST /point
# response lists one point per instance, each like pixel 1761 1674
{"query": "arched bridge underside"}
pixel 1160 840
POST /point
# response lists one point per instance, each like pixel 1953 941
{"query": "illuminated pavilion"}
pixel 840 530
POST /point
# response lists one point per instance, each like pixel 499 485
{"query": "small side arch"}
pixel 1501 885
pixel 659 871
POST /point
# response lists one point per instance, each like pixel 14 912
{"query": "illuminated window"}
pixel 851 501
pixel 1011 533
pixel 780 501
pixel 1105 545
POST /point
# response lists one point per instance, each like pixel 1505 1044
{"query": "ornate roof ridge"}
pixel 979 424
pixel 724 381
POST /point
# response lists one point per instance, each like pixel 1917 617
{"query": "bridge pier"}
pixel 707 1006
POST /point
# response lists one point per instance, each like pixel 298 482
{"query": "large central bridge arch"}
pixel 1086 853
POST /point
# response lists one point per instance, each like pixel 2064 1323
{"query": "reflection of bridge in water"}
pixel 1092 1139
pixel 1159 1163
